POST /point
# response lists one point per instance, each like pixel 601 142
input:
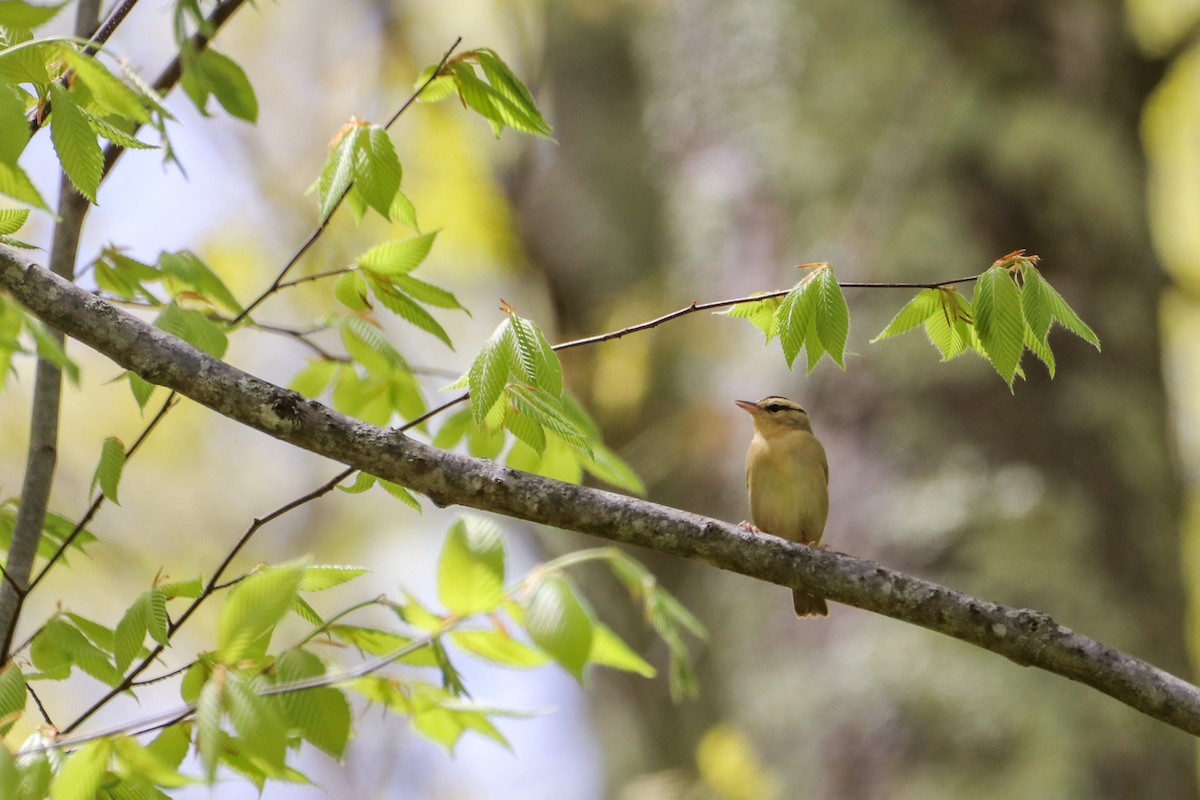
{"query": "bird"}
pixel 787 475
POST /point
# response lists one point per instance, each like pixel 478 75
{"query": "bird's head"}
pixel 776 415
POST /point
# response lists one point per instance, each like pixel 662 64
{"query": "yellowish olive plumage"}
pixel 787 475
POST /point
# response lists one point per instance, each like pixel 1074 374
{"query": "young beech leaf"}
pixel 559 624
pixel 471 567
pixel 75 142
pixel 999 321
pixel 1042 304
pixel 794 317
pixel 108 471
pixel 915 312
pixel 832 316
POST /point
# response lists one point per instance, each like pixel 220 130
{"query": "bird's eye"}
pixel 776 407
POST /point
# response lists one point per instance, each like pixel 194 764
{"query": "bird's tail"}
pixel 809 605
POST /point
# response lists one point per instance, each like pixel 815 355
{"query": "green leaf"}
pixel 185 271
pixel 13 695
pixel 320 578
pixel 350 289
pixel 471 567
pixel 949 330
pixel 260 725
pixel 437 89
pixel 610 650
pixel 490 370
pixel 17 185
pixel 400 493
pixel 427 293
pixel 11 220
pixel 338 171
pixel 403 211
pixel 75 143
pixel 496 106
pixel 14 127
pixel 209 73
pixel 999 321
pixel 499 647
pixel 539 364
pixel 1041 349
pixel 108 471
pixel 832 316
pixel 130 634
pixel 376 169
pixel 210 709
pixel 397 257
pixel 544 409
pixel 80 777
pixel 509 86
pixel 406 309
pixel 915 312
pixel 314 378
pixel 27 16
pixel 379 642
pixel 558 623
pixel 255 607
pixel 194 328
pixel 760 313
pixel 368 345
pixel 321 715
pixel 1041 304
pixel 795 316
pixel 148 764
pixel 108 95
pixel 60 646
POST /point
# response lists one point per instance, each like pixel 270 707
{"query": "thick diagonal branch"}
pixel 1027 637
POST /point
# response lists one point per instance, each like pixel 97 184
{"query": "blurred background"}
pixel 703 148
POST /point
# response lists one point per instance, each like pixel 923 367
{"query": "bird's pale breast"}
pixel 789 488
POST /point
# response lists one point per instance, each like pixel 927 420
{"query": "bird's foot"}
pixel 749 527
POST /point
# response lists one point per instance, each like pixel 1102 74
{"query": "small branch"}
pixel 324 223
pixel 1028 638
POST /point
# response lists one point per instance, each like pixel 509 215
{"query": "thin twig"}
pixel 324 223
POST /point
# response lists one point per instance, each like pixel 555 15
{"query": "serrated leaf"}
pixel 314 378
pixel 321 577
pixel 350 289
pixel 1041 349
pixel 108 471
pixel 368 346
pixel 14 127
pixel 397 257
pixel 75 143
pixel 260 724
pixel 376 169
pixel 489 371
pixel 210 73
pixel 427 293
pixel 13 696
pixel 131 633
pixel 558 623
pixel 794 317
pixel 403 211
pixel 17 185
pixel 148 765
pixel 11 220
pixel 102 127
pixel 402 494
pixel 914 313
pixel 1042 303
pixel 255 607
pixel 610 650
pixel 509 86
pixel 194 328
pixel 27 16
pixel 321 715
pixel 471 567
pixel 185 271
pixel 999 321
pixel 337 174
pixel 539 363
pixel 760 314
pixel 546 410
pixel 437 89
pixel 407 309
pixel 109 96
pixel 499 647
pixel 80 777
pixel 832 315
pixel 210 708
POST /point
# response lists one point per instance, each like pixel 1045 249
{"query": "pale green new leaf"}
pixel 610 650
pixel 255 607
pixel 471 567
pixel 999 321
pixel 546 410
pixel 75 143
pixel 490 370
pixel 538 362
pixel 131 633
pixel 27 16
pixel 13 696
pixel 915 312
pixel 321 715
pixel 950 329
pixel 832 315
pixel 313 379
pixel 194 328
pixel 14 127
pixel 1041 349
pixel 368 346
pixel 260 724
pixel 1042 304
pixel 109 96
pixel 794 317
pixel 185 271
pixel 350 289
pixel 512 89
pixel 326 576
pixel 210 709
pixel 559 624
pixel 407 309
pixel 402 494
pixel 760 313
pixel 11 220
pixel 148 764
pixel 209 73
pixel 114 134
pixel 427 293
pixel 17 185
pixel 499 647
pixel 403 211
pixel 80 777
pixel 376 169
pixel 397 257
pixel 337 173
pixel 50 349
pixel 108 471
pixel 435 90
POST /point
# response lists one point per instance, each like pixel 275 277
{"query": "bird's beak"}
pixel 746 405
